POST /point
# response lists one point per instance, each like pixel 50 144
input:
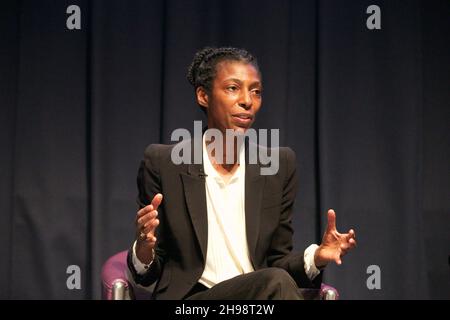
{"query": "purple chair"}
pixel 115 285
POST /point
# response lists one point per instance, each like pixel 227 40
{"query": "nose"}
pixel 245 100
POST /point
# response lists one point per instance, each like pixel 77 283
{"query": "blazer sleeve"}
pixel 149 184
pixel 281 254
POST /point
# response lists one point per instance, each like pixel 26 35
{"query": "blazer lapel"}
pixel 254 186
pixel 195 194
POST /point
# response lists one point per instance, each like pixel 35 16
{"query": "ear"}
pixel 202 97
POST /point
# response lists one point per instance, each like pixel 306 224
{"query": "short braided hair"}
pixel 202 70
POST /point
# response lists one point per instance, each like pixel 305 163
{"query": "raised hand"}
pixel 334 244
pixel 146 223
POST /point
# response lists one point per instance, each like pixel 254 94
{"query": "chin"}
pixel 241 129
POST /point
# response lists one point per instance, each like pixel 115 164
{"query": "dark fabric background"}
pixel 367 113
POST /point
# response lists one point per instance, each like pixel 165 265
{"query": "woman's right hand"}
pixel 146 223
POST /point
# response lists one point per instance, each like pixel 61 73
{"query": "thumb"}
pixel 157 199
pixel 331 226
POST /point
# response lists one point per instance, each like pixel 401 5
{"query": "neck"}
pixel 223 163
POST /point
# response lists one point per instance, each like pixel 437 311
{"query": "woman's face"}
pixel 235 96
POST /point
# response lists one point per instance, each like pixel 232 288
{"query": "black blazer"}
pixel 182 234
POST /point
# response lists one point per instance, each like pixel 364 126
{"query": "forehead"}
pixel 236 70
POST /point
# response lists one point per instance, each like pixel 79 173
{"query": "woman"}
pixel 223 231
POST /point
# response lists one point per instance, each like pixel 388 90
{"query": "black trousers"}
pixel 264 284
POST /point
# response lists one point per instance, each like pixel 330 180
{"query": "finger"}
pixel 347 247
pixel 338 260
pixel 151 239
pixel 350 244
pixel 144 210
pixel 152 216
pixel 147 217
pixel 140 222
pixel 351 234
pixel 151 227
pixel 331 225
pixel 157 199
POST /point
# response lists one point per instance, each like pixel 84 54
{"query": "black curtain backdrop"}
pixel 366 111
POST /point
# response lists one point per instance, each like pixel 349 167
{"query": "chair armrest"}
pixel 328 293
pixel 325 292
pixel 115 285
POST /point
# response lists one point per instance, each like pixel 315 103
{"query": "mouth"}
pixel 243 118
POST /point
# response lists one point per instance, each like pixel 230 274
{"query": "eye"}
pixel 257 92
pixel 232 88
